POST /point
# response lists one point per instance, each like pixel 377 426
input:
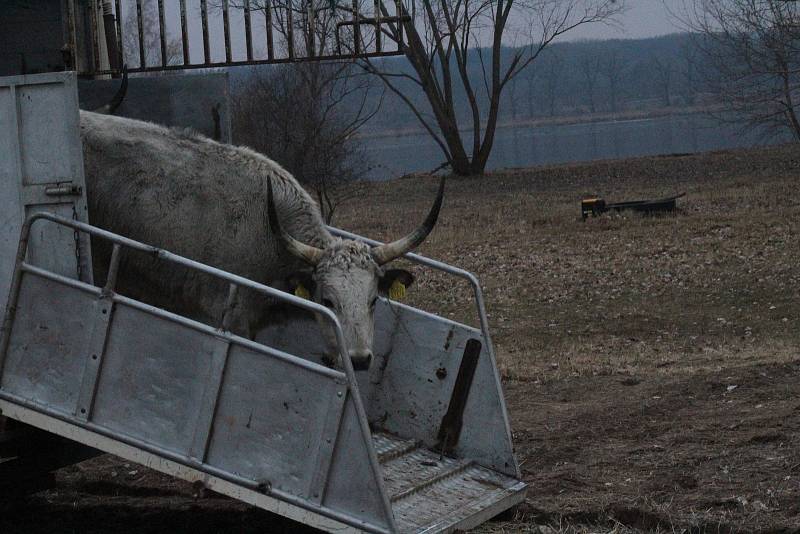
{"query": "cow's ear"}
pixel 301 284
pixel 394 283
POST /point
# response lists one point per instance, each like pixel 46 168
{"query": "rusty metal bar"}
pixel 268 23
pixel 204 18
pixel 162 29
pixel 248 30
pixel 120 50
pixel 226 26
pixel 290 28
pixel 140 28
pixel 184 33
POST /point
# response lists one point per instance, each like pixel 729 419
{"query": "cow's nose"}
pixel 361 359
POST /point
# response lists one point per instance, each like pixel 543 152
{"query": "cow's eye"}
pixel 327 303
pixel 374 301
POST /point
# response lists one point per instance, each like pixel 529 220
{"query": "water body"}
pixel 530 146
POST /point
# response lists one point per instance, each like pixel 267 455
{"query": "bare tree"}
pixel 305 117
pixel 441 37
pixel 613 68
pixel 663 69
pixel 754 47
pixel 151 37
pixel 553 67
pixel 589 64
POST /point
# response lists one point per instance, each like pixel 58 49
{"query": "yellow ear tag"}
pixel 302 292
pixel 397 291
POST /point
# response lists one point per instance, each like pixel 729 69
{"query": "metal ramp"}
pixel 420 443
pixel 431 493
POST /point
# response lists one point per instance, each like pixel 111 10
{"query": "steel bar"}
pixel 72 64
pixel 162 32
pixel 140 28
pixel 377 25
pixel 248 30
pixel 356 29
pixel 16 283
pixel 226 27
pixel 399 14
pixel 184 33
pixel 244 63
pixel 268 24
pixel 310 18
pixel 118 15
pixel 204 19
pixel 95 29
pixel 289 29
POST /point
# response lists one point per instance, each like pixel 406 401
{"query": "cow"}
pixel 235 209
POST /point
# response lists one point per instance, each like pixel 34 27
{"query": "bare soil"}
pixel 651 364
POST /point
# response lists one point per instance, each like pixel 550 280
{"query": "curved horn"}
pixel 386 253
pixel 307 253
pixel 111 107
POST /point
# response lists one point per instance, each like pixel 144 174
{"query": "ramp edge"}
pixel 175 469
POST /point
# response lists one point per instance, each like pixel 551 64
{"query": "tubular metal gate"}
pixel 159 35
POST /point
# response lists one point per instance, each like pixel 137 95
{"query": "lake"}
pixel 528 146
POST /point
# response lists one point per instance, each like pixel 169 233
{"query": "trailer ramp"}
pixel 253 421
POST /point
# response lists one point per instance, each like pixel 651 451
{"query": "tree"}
pixel 151 42
pixel 754 48
pixel 589 63
pixel 302 116
pixel 612 68
pixel 663 68
pixel 438 39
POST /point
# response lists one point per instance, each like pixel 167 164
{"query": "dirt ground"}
pixel 651 364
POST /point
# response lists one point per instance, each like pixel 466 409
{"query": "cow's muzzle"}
pixel 361 359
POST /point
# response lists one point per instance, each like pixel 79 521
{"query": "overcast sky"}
pixel 643 18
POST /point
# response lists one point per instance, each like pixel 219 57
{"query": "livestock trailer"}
pixel 419 443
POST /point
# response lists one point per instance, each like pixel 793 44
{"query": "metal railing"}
pixel 235 281
pixel 163 35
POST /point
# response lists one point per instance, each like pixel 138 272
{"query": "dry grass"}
pixel 618 337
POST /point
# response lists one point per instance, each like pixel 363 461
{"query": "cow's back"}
pixel 183 192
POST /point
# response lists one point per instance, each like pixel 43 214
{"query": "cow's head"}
pixel 348 276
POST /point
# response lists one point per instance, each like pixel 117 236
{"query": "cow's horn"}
pixel 386 253
pixel 111 107
pixel 307 253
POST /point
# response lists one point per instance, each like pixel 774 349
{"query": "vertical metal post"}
pixel 268 22
pixel 248 30
pixel 399 13
pixel 120 50
pixel 226 26
pixel 16 283
pixel 310 42
pixel 290 28
pixel 204 18
pixel 356 29
pixel 95 29
pixel 162 29
pixel 140 28
pixel 184 33
pixel 377 25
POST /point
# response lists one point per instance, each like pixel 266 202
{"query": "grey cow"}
pixel 234 209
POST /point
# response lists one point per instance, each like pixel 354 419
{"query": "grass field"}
pixel 651 364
